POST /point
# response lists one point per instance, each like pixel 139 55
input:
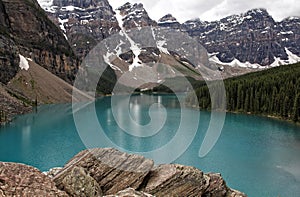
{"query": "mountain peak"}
pixel 168 19
pixel 130 7
pixel 257 12
pixel 135 16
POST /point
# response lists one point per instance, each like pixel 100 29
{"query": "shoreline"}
pixel 11 118
pixel 251 114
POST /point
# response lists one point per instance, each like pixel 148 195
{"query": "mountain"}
pixel 35 59
pixel 84 23
pixel 26 30
pixel 169 21
pixel 251 39
pixel 135 16
pixel 130 41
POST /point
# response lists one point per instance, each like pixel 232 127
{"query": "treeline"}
pixel 274 92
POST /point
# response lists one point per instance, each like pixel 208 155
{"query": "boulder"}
pixel 113 170
pixel 130 193
pixel 21 180
pixel 79 183
pixel 174 180
pixel 111 173
pixel 179 180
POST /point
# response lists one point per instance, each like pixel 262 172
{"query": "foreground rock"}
pixel 113 170
pixel 111 173
pixel 130 193
pixel 174 180
pixel 22 180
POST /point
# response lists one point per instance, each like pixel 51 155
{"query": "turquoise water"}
pixel 257 155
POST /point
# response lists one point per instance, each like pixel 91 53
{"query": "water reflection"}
pixel 259 156
pixel 144 114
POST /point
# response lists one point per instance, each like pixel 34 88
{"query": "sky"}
pixel 209 10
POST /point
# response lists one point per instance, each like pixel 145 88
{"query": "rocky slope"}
pixel 84 23
pixel 133 45
pixel 252 39
pixel 135 16
pixel 169 21
pixel 27 36
pixel 10 106
pixel 108 172
pixel 26 30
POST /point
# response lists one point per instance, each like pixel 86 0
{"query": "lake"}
pixel 257 155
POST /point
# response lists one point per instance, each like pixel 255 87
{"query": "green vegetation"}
pixel 273 92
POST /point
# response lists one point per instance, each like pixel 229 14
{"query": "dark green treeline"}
pixel 274 92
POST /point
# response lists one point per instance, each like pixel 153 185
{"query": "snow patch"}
pixel 160 45
pixel 62 26
pixel 133 46
pixel 153 34
pixel 234 63
pixel 292 59
pixel 47 5
pixel 107 60
pixel 118 49
pixel 167 21
pixel 23 63
pixel 286 32
pixel 71 8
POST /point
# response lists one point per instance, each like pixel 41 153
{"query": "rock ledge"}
pixel 109 172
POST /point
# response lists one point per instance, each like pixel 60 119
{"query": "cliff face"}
pixel 252 37
pixel 84 22
pixel 135 16
pixel 108 172
pixel 25 29
pixel 27 36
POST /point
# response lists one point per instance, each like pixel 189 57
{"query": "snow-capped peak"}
pixel 167 19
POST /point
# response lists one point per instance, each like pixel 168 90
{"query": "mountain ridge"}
pixel 252 39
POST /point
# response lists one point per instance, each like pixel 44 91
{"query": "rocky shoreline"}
pixel 11 106
pixel 109 172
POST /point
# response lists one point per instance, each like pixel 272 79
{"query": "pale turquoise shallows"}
pixel 257 155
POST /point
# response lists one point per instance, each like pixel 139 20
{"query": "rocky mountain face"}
pixel 29 38
pixel 108 172
pixel 25 29
pixel 133 42
pixel 169 21
pixel 84 22
pixel 135 16
pixel 252 37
